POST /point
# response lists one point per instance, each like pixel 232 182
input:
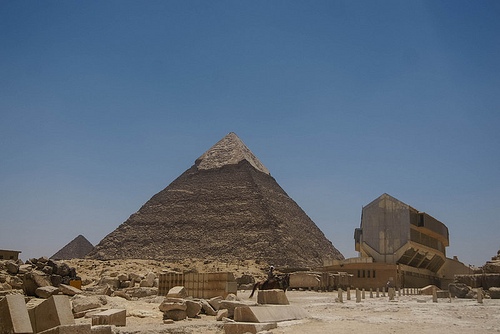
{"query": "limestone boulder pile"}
pixel 178 306
pixel 41 277
pixel 486 277
pixel 126 285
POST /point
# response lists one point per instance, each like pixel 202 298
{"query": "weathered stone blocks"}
pixel 271 313
pixel 14 316
pixel 69 329
pixel 52 312
pixel 177 292
pixel 245 327
pixel 274 296
pixel 117 317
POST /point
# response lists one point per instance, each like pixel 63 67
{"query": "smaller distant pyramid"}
pixel 76 249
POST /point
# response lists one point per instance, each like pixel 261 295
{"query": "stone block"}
pixel 123 277
pixel 221 314
pixel 148 281
pixel 69 329
pixel 81 304
pixel 69 290
pixel 215 302
pixel 207 308
pixel 170 304
pixel 230 305
pixel 175 315
pixel 46 291
pixel 246 327
pixel 275 296
pixel 494 292
pixel 428 290
pixel 33 280
pixel 270 313
pixel 193 308
pixel 14 316
pixel 102 329
pixel 177 292
pixel 113 282
pixel 53 312
pixel 117 317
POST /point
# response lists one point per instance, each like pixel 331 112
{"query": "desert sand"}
pixel 406 314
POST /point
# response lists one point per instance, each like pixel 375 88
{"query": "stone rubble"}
pixel 42 277
pixel 487 277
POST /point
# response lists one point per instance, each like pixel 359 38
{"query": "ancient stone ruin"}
pixel 40 277
pixel 227 207
pixel 487 277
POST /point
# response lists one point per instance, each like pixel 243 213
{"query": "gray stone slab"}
pixel 269 313
pixel 246 327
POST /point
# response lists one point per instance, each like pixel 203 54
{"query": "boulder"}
pixel 46 291
pixel 47 270
pixel 207 308
pixel 490 281
pixel 16 282
pixel 193 308
pixel 460 290
pixel 232 297
pixel 24 268
pixel 170 304
pixel 274 296
pixel 177 292
pixel 215 302
pixel 494 292
pixel 87 303
pixel 5 286
pixel 113 282
pixel 135 277
pixel 12 267
pixel 56 280
pixel 148 281
pixel 123 294
pixel 492 267
pixel 61 268
pixel 69 290
pixel 142 292
pixel 34 280
pixel 175 315
pixel 122 277
pixel 230 305
pixel 221 314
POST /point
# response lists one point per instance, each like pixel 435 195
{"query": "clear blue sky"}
pixel 104 103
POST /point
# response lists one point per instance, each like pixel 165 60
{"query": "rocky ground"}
pixel 407 314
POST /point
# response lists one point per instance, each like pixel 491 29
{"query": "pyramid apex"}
pixel 230 150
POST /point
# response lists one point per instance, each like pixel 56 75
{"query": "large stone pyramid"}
pixel 225 207
pixel 78 248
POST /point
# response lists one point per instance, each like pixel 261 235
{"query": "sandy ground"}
pixel 407 314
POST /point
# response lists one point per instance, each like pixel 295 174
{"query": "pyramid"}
pixel 225 207
pixel 78 248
